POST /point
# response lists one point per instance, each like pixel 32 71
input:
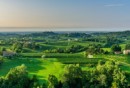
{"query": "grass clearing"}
pixel 53 64
pixel 35 66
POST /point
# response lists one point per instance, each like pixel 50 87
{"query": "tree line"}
pixel 105 75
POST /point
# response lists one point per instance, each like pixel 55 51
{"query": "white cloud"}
pixel 114 5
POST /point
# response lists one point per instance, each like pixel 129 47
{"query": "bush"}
pixel 115 48
pixel 106 75
pixel 18 78
pixel 127 47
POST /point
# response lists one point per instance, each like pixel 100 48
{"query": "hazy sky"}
pixel 65 13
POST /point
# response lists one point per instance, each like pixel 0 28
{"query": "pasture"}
pixel 52 64
pixel 48 55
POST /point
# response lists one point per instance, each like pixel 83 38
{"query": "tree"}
pixel 17 47
pixel 106 75
pixel 18 78
pixel 119 79
pixel 53 81
pixel 127 47
pixel 115 48
pixel 72 76
pixel 109 75
pixel 102 79
pixel 94 49
pixel 3 49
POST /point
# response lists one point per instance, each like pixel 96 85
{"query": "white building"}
pixel 8 54
pixel 126 52
pixel 90 56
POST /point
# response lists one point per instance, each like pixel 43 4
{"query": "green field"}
pixel 53 64
pixel 45 54
pixel 35 66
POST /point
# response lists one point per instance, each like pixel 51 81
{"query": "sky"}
pixel 65 14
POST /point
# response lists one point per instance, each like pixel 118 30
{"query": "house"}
pixel 90 56
pixel 8 54
pixel 75 39
pixel 43 56
pixel 126 52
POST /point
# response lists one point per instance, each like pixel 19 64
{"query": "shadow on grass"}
pixel 33 66
pixel 79 60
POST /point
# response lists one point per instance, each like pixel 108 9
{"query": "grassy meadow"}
pixel 45 55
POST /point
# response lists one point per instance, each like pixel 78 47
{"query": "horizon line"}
pixel 68 27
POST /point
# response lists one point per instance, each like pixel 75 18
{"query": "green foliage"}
pixel 18 78
pixel 72 58
pixel 75 49
pixel 61 50
pixel 53 81
pixel 110 40
pixel 110 75
pixel 31 55
pixel 106 75
pixel 127 47
pixel 71 49
pixel 94 49
pixel 17 47
pixel 115 48
pixel 72 76
pixel 1 61
pixel 3 49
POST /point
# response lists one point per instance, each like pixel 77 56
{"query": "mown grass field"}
pixel 53 64
pixel 35 66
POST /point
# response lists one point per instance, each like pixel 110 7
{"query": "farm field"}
pixel 64 44
pixel 46 57
pixel 53 64
pixel 35 66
